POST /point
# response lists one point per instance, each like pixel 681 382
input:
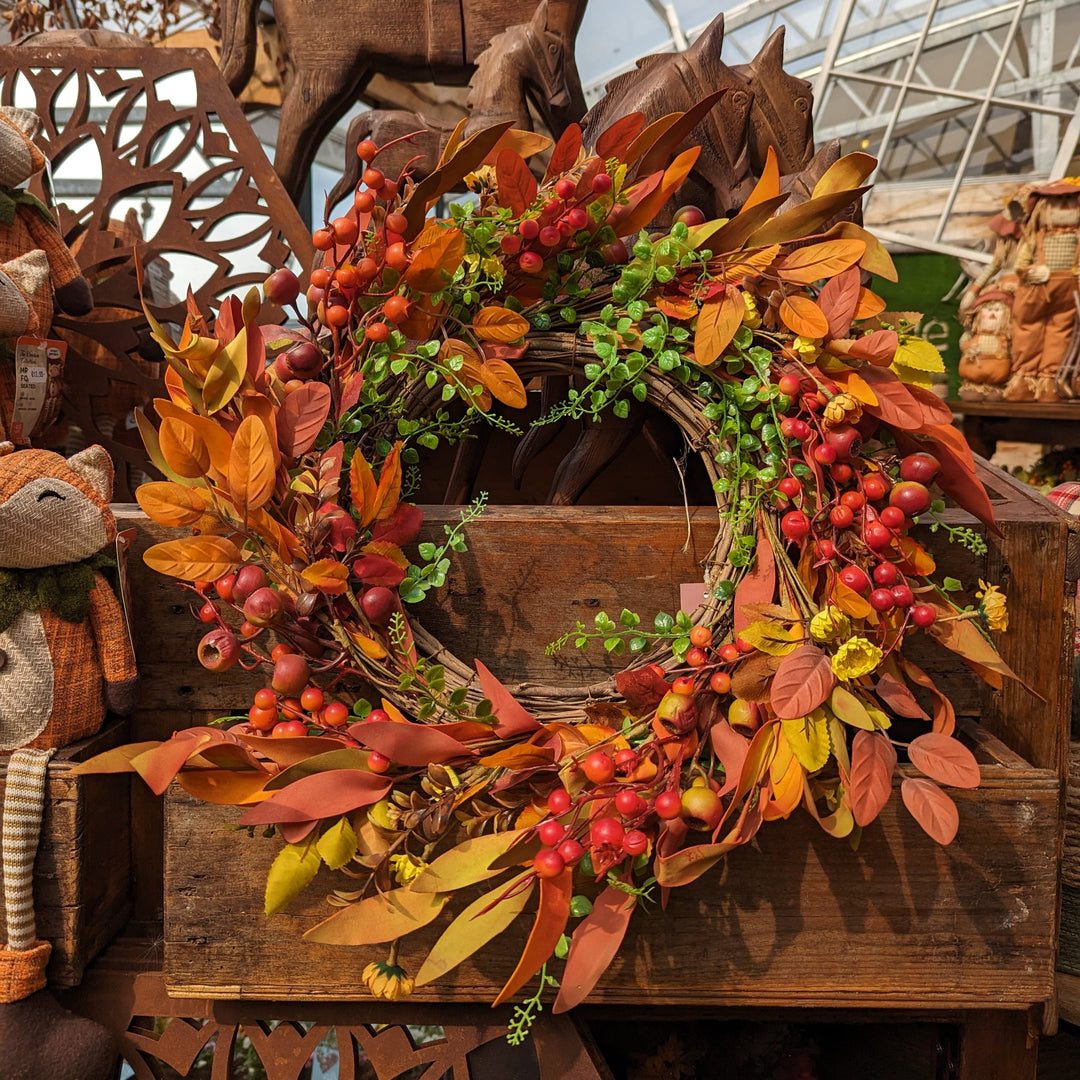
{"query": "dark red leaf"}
pixel 229 320
pixel 899 698
pixel 400 527
pixel 378 570
pixel 896 407
pixel 839 298
pixel 565 153
pixel 642 688
pixel 614 141
pixel 877 348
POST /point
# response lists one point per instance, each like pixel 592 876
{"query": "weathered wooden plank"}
pixel 82 875
pixel 802 918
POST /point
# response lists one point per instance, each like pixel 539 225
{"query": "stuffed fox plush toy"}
pixel 37 270
pixel 64 658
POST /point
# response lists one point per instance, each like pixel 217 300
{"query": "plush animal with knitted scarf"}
pixel 37 270
pixel 64 658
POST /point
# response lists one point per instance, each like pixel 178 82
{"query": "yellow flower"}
pixel 406 868
pixel 993 607
pixel 855 657
pixel 752 317
pixel 842 409
pixel 386 981
pixel 484 177
pixel 807 348
pixel 829 624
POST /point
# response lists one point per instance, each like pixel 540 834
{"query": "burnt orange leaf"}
pixel 467 376
pixel 519 756
pixel 595 942
pixel 931 808
pixel 802 316
pixel 877 348
pixel 223 787
pixel 758 586
pixel 673 178
pixel 656 156
pixel 613 142
pixel 325 794
pixel 251 466
pixel 873 758
pixel 676 307
pixel 389 490
pixel 327 576
pixel 944 713
pixel 916 557
pixel 850 602
pixel 522 142
pixel 500 324
pixel 802 682
pixel 808 264
pixel 895 404
pixel 551 918
pixel 717 322
pixel 839 300
pixel 301 418
pixel 217 439
pixel 962 637
pixel 170 504
pixel 433 265
pixel 565 154
pixel 944 759
pixel 504 383
pixel 768 186
pixel 732 235
pixel 410 744
pixel 362 488
pixel 194 558
pixel 859 389
pixel 845 174
pixel 806 218
pixel 453 142
pixel 877 259
pixel 516 183
pixel 511 716
pixel 184 449
pixel 647 139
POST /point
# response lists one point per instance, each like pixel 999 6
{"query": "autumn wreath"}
pixel 374 749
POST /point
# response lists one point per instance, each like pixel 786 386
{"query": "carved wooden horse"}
pixel 335 46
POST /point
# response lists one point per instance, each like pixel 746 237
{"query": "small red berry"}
pixel 855 578
pixel 565 188
pixel 729 653
pixel 312 699
pixel 322 239
pixel 571 851
pixel 334 714
pixel 599 767
pixel 790 385
pixel 550 236
pixel 841 516
pixel 364 202
pixel 853 499
pixel 601 183
pixel 885 573
pixel 824 454
pixel 529 228
pixel 877 536
pixel 720 683
pixel 625 760
pixel 209 612
pixel 262 719
pixel 551 833
pixel 668 805
pixel 790 486
pixel 377 332
pixel 696 657
pixel 607 832
pixel 289 729
pixel 265 698
pixel 635 842
pixel 345 230
pixel 548 863
pixel 841 472
pixel 875 487
pixel 795 525
pixel 892 517
pixel 377 716
pixel 825 549
pixel 397 258
pixel 629 803
pixel 510 244
pixel 903 596
pixel 530 262
pixel 559 801
pixel 397 222
pixel 373 178
pixel 366 149
pixel 378 763
pixel 683 685
pixel 881 599
pixel 923 615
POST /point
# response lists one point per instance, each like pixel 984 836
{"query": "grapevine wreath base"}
pixel 432 788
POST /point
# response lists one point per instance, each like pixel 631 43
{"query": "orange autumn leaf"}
pixel 676 307
pixel 251 466
pixel 931 808
pixel 717 322
pixel 185 452
pixel 808 264
pixel 389 489
pixel 504 383
pixel 860 390
pixel 870 304
pixel 500 324
pixel 469 375
pixel 194 558
pixel 218 440
pixel 327 576
pixel 768 187
pixel 803 317
pixel 170 504
pixel 362 488
pixel 516 185
pixel 433 265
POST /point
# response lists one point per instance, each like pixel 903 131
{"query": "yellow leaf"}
pixel 808 264
pixel 226 374
pixel 170 504
pixel 525 143
pixel 292 871
pixel 503 382
pixel 919 354
pixel 845 174
pixel 850 709
pixel 194 558
pixel 482 920
pixel 772 638
pixel 802 316
pixel 368 646
pixel 338 844
pixel 717 322
pixel 500 324
pixel 379 918
pixel 184 449
pixel 469 862
pixel 251 466
pixel 808 738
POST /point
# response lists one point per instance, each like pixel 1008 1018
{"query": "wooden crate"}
pixel 801 918
pixel 82 875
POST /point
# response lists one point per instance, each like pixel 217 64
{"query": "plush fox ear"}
pixel 95 467
pixel 19 157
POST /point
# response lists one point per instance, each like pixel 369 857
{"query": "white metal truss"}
pixel 948 94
